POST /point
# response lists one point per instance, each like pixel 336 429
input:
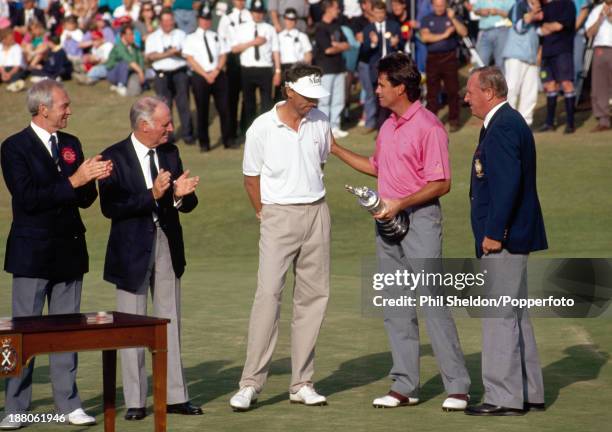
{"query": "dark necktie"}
pixel 152 166
pixel 208 51
pixel 256 46
pixel 240 18
pixel 483 130
pixel 54 151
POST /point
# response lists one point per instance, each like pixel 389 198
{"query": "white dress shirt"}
pixel 44 136
pixel 293 44
pixel 133 13
pixel 194 46
pixel 491 113
pixel 246 33
pixel 289 163
pixel 158 41
pixel 603 38
pixel 228 24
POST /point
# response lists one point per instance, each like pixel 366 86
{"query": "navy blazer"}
pixel 373 55
pixel 125 200
pixel 47 237
pixel 504 199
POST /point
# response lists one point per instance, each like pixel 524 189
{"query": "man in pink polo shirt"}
pixel 413 171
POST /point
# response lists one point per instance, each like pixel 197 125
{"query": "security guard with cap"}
pixel 163 48
pixel 294 46
pixel 227 30
pixel 257 43
pixel 206 55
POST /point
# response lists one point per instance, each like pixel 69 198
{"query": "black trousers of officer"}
pixel 201 92
pixel 253 78
pixel 234 77
pixel 174 86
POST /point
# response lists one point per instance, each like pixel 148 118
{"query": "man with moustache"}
pixel 284 154
pixel 49 180
pixel 507 224
pixel 143 198
pixel 412 166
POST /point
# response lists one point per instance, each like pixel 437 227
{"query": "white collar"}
pixel 491 113
pixel 142 150
pixel 42 134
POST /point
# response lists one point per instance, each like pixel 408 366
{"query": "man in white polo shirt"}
pixel 284 154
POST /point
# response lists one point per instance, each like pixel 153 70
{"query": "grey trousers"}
pixel 511 371
pixel 29 296
pixel 165 290
pixel 424 240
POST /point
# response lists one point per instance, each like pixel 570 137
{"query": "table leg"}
pixel 160 360
pixel 109 371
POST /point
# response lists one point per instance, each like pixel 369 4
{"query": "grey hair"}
pixel 41 93
pixel 143 110
pixel 491 77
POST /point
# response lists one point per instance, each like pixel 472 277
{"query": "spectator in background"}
pixel 34 44
pixel 380 38
pixel 583 7
pixel 22 17
pixel 439 31
pixel 185 15
pixel 278 8
pixel 400 14
pixel 521 56
pixel 108 5
pixel 599 27
pixel 557 31
pixel 330 43
pixel 294 46
pixel 129 8
pixel 257 43
pixel 95 60
pixel 56 65
pixel 206 55
pixel 125 60
pixel 12 70
pixel 147 21
pixel 71 39
pixel 493 26
pixel 227 30
pixel 102 26
pixel 164 50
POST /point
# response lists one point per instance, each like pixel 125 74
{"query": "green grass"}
pixel 574 179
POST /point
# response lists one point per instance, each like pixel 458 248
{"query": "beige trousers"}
pixel 298 234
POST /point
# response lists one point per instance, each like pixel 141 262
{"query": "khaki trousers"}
pixel 298 234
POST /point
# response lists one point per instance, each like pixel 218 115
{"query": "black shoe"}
pixel 189 140
pixel 185 408
pixel 493 410
pixel 534 406
pixel 569 130
pixel 135 414
pixel 546 128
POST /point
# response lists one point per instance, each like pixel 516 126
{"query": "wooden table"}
pixel 23 338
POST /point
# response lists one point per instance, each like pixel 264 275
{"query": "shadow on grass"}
pixel 581 363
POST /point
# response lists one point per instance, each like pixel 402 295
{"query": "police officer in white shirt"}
pixel 257 43
pixel 206 55
pixel 163 48
pixel 294 46
pixel 227 30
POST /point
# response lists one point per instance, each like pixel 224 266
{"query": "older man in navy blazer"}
pixel 143 198
pixel 507 224
pixel 49 180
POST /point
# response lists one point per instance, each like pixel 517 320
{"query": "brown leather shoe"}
pixel 600 128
